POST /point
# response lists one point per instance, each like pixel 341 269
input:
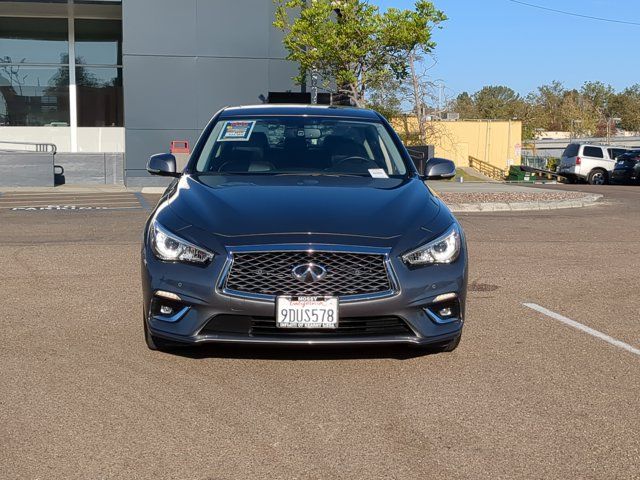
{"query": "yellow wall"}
pixel 491 141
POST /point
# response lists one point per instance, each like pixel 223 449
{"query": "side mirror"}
pixel 439 169
pixel 162 164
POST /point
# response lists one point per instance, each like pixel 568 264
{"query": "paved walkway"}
pixel 460 197
pixel 496 197
pixel 481 187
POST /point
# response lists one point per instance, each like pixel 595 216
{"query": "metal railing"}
pixel 37 147
pixel 487 169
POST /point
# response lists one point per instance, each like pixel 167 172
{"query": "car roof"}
pixel 596 144
pixel 298 110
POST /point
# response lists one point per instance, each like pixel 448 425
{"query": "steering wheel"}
pixel 355 159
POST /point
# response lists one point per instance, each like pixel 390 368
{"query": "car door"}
pixel 595 157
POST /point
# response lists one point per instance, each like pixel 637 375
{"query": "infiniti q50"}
pixel 302 225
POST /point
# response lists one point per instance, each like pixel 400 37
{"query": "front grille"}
pixel 271 273
pixel 264 326
pixel 373 326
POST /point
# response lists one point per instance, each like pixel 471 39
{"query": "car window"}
pixel 318 145
pixel 632 155
pixel 571 150
pixel 616 152
pixel 593 152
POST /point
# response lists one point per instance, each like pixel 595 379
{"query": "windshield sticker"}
pixel 378 173
pixel 237 131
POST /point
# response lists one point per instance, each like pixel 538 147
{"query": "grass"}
pixel 466 177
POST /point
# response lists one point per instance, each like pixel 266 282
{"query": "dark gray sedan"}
pixel 302 225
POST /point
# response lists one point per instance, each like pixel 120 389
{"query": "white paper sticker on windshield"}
pixel 237 131
pixel 378 173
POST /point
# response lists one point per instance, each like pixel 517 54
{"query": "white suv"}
pixel 590 162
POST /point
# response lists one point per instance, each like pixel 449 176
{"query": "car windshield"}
pixel 300 145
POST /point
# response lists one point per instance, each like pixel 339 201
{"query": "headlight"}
pixel 444 249
pixel 167 246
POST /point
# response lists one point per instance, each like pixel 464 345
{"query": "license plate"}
pixel 307 312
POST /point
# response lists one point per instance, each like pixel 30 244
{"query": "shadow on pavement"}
pixel 312 352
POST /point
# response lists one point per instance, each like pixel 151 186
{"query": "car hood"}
pixel 298 205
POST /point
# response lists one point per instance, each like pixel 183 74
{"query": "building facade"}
pixel 496 142
pixel 128 77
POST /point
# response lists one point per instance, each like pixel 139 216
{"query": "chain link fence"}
pixel 541 162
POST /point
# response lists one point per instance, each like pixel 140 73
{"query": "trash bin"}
pixel 180 149
pixel 516 174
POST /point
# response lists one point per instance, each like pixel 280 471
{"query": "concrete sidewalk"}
pixel 498 197
pixel 69 189
pixel 460 197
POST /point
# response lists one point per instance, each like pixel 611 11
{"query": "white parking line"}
pixel 584 328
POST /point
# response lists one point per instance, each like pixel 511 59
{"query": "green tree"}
pixel 626 104
pixel 386 98
pixel 351 44
pixel 465 106
pixel 496 102
pixel 600 96
pixel 548 102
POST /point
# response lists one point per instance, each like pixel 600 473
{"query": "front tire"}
pixel 598 176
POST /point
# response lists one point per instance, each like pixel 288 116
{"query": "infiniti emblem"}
pixel 309 272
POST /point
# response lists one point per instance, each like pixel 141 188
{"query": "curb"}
pixel 153 190
pixel 586 201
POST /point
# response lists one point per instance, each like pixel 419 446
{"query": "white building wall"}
pixel 90 139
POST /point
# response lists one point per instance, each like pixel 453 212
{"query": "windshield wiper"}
pixel 321 174
pixel 282 174
pixel 222 174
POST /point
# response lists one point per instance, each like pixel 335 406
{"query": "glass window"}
pixel 33 40
pixel 300 145
pixel 593 152
pixel 33 96
pixel 99 97
pixel 98 42
pixel 571 150
pixel 616 152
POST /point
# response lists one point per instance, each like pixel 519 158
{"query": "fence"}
pixel 487 169
pixel 535 161
pixel 29 147
pixel 542 162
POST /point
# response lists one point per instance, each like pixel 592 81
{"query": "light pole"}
pixel 609 120
pixel 573 128
pixel 314 86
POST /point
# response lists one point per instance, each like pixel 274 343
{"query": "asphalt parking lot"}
pixel 526 395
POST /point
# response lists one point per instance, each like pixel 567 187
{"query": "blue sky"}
pixel 489 42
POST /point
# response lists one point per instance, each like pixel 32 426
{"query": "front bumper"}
pixel 206 314
pixel 622 176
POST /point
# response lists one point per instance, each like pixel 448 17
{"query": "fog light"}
pixel 446 311
pixel 167 310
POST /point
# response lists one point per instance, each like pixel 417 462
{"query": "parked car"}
pixel 301 225
pixel 627 169
pixel 588 162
